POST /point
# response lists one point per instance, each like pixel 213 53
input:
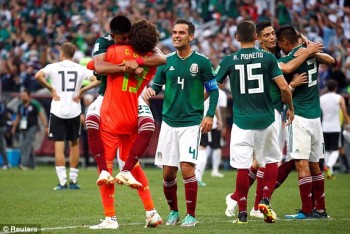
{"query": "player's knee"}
pixel 146 124
pixel 92 122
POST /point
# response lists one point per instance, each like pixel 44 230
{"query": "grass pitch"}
pixel 27 197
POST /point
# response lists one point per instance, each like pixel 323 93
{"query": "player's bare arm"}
pixel 40 77
pixel 155 59
pixel 286 94
pixel 324 58
pixel 93 83
pixel 103 67
pixel 301 55
pixel 149 93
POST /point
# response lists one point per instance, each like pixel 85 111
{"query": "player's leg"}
pixel 152 217
pixel 268 154
pixel 317 175
pixel 241 154
pixel 111 143
pixel 146 128
pixel 216 152
pixel 92 124
pixel 202 159
pixel 299 145
pixel 189 138
pixel 57 132
pixel 73 127
pixel 168 145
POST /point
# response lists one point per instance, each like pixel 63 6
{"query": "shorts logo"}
pixel 194 69
pixel 159 155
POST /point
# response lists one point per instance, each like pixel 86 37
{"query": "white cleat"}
pixel 217 174
pixel 125 177
pixel 231 206
pixel 107 223
pixel 153 219
pixel 256 214
pixel 104 178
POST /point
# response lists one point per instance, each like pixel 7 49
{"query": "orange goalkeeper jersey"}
pixel 119 110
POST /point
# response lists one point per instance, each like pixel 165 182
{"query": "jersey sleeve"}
pixel 222 70
pixel 159 79
pixel 102 44
pixel 275 69
pixel 36 105
pixel 47 70
pixel 208 71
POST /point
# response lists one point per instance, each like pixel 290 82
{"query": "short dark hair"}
pixel 143 36
pixel 288 33
pixel 191 27
pixel 246 31
pixel 68 50
pixel 262 25
pixel 332 85
pixel 120 24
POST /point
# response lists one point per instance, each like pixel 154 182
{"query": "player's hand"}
pixel 77 97
pixel 206 125
pixel 55 96
pixel 131 66
pixel 299 79
pixel 290 117
pixel 139 71
pixel 149 93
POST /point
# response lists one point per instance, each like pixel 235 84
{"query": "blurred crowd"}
pixel 31 31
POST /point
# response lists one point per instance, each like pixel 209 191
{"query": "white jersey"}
pixel 222 102
pixel 330 106
pixel 66 78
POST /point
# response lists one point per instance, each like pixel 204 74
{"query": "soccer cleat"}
pixel 5 167
pixel 256 214
pixel 104 178
pixel 153 219
pixel 242 218
pixel 201 183
pixel 107 223
pixel 266 210
pixel 189 221
pixel 60 187
pixel 217 174
pixel 173 218
pixel 125 177
pixel 73 186
pixel 299 215
pixel 320 215
pixel 329 173
pixel 231 206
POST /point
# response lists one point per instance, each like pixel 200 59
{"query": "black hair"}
pixel 120 24
pixel 143 37
pixel 246 31
pixel 332 85
pixel 288 33
pixel 191 27
pixel 262 25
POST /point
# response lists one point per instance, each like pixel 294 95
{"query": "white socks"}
pixel 61 174
pixel 216 160
pixel 73 174
pixel 201 163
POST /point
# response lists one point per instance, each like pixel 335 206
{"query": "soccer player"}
pixel 212 142
pixel 305 140
pixel 66 79
pixel 251 72
pixel 120 27
pixel 27 116
pixel 119 117
pixel 185 75
pixel 332 107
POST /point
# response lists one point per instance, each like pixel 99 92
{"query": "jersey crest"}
pixel 194 69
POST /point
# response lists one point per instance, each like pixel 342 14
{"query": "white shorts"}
pixel 262 143
pixel 305 139
pixel 143 108
pixel 177 145
pixel 95 107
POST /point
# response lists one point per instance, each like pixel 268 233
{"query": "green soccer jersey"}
pixel 184 80
pixel 306 97
pixel 251 72
pixel 101 47
pixel 275 91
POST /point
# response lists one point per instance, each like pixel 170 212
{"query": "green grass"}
pixel 27 197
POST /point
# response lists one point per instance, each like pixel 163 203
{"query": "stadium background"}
pixel 32 31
